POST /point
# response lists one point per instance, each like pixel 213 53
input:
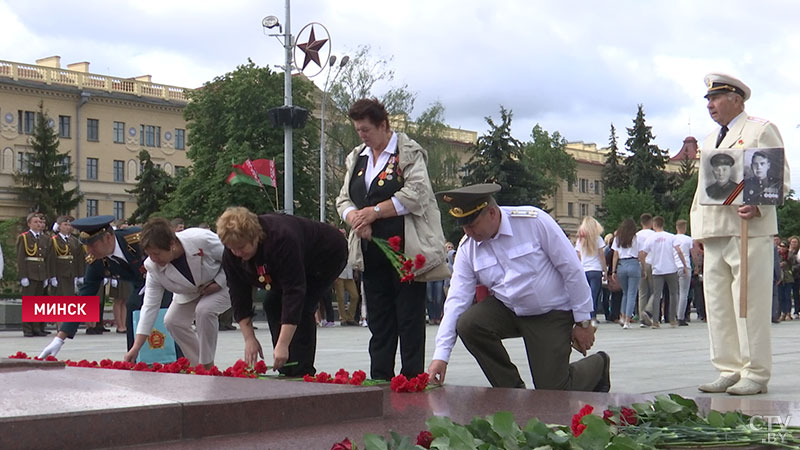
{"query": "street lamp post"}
pixel 322 159
pixel 288 161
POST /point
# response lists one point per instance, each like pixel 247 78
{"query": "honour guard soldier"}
pixel 108 250
pixel 32 247
pixel 65 260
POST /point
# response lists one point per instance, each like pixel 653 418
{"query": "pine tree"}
pixel 686 170
pixel 646 161
pixel 47 172
pixel 153 189
pixel 614 174
pixel 499 158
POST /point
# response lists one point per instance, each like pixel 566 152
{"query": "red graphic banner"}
pixel 56 308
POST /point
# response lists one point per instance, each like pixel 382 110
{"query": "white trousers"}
pixel 199 344
pixel 739 346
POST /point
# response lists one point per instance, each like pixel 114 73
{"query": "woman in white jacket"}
pixel 187 263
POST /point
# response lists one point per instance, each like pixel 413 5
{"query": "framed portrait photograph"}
pixel 721 175
pixel 751 176
pixel 763 176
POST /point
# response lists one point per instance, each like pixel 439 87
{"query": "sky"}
pixel 575 67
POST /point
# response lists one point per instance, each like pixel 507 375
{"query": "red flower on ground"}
pixel 324 377
pixel 19 355
pixel 577 426
pixel 344 445
pixel 425 439
pixel 628 416
pixel 358 377
pixel 398 383
pixel 261 367
pixel 308 378
pixel 394 242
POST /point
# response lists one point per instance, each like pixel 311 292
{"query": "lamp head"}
pixel 270 22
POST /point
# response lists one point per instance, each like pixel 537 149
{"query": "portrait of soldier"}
pixel 722 171
pixel 763 187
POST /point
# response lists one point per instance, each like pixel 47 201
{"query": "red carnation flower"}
pixel 261 367
pixel 344 445
pixel 395 242
pixel 399 383
pixel 323 377
pixel 419 261
pixel 358 377
pixel 425 439
pixel 628 416
pixel 408 264
pixel 577 426
pixel 407 277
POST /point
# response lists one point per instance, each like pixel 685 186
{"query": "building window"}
pixel 180 139
pixel 92 130
pixel 584 185
pixel 119 132
pixel 119 171
pixel 23 162
pixel 597 187
pixel 119 210
pixel 26 122
pixel 141 135
pixel 63 127
pixel 66 164
pixel 584 209
pixel 91 168
pixel 91 207
pixel 570 209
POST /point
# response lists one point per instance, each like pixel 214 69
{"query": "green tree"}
pixel 228 122
pixel 614 174
pixel 153 189
pixel 646 162
pixel 499 158
pixel 622 203
pixel 546 156
pixel 686 170
pixel 789 217
pixel 46 172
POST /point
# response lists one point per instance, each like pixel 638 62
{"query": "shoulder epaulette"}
pixel 89 258
pixel 133 238
pixel 523 213
pixel 463 238
pixel 757 119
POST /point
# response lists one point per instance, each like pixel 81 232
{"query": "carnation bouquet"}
pixel 666 422
pixel 404 265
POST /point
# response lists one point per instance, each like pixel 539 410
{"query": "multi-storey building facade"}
pixel 103 122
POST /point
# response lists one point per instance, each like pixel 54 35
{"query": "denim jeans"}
pixel 595 279
pixel 629 272
pixel 435 299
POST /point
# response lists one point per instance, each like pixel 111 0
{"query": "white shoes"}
pixel 747 387
pixel 721 384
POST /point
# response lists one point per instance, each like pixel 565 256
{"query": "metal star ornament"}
pixel 311 49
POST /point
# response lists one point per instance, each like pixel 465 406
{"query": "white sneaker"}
pixel 625 326
pixel 364 323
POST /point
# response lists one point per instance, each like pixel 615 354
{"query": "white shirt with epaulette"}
pixel 529 265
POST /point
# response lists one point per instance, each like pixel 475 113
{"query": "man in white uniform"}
pixel 740 347
pixel 538 291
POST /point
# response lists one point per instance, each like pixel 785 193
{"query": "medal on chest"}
pixel 263 276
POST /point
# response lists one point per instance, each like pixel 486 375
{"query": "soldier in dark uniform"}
pixel 762 188
pixel 108 250
pixel 32 247
pixel 721 164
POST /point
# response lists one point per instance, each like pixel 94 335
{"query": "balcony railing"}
pixel 82 80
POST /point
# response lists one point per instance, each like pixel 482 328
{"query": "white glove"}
pixel 44 283
pixel 25 282
pixel 54 282
pixel 114 282
pixel 52 348
pixel 105 281
pixel 79 280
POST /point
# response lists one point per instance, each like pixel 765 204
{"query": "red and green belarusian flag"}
pixel 259 172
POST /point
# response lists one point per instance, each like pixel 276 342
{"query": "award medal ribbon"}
pixel 263 276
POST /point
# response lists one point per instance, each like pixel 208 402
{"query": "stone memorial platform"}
pixel 48 405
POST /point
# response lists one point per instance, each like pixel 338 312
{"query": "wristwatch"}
pixel 377 210
pixel 584 324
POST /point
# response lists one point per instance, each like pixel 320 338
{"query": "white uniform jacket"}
pixel 204 256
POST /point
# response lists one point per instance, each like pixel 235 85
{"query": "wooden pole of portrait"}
pixel 743 271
